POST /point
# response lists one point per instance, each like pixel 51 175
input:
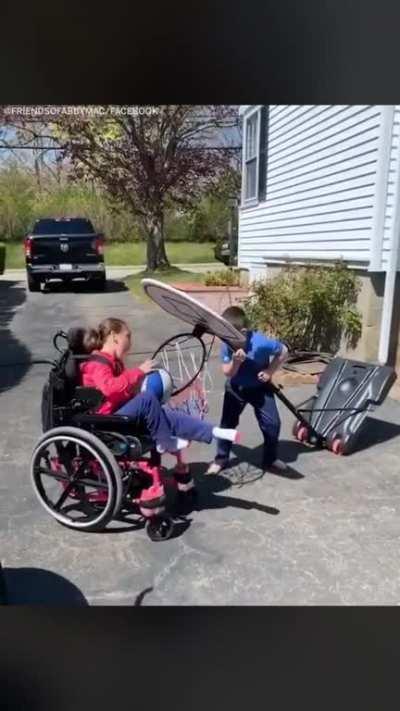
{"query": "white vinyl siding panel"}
pixel 321 185
pixel 390 197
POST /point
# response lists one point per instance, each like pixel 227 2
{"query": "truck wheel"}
pixel 33 283
pixel 100 283
pixel 3 588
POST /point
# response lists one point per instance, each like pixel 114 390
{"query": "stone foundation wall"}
pixel 370 303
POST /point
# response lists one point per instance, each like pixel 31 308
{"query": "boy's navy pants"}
pixel 263 402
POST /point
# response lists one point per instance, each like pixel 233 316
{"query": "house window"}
pixel 254 163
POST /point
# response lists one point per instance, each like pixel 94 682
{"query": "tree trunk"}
pixel 156 254
pixel 151 252
pixel 38 176
pixel 163 254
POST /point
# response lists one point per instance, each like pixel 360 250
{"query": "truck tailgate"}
pixel 58 249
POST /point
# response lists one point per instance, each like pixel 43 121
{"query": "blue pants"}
pixel 265 409
pixel 163 423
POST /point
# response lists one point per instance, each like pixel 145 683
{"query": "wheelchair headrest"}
pixel 75 338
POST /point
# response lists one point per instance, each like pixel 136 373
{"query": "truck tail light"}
pixel 28 246
pixel 98 245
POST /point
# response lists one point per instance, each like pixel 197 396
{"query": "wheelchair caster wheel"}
pixel 159 528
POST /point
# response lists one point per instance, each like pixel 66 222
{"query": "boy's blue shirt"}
pixel 259 348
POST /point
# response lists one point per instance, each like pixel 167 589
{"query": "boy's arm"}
pixel 276 363
pixel 230 369
pixel 231 362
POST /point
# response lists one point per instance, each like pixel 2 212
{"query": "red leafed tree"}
pixel 149 160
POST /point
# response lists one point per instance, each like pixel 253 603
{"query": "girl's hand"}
pixel 264 376
pixel 148 366
pixel 239 356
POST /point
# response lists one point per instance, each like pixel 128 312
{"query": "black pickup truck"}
pixel 66 249
pixel 226 252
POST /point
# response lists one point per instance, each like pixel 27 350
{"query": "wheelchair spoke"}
pixel 52 474
pixel 64 496
pixel 88 479
pixel 93 483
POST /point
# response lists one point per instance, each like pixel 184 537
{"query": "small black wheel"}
pixel 295 428
pixel 159 528
pixel 337 446
pixel 33 283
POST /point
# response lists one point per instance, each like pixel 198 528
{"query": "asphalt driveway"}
pixel 327 535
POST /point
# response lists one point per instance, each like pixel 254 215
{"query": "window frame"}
pixel 253 200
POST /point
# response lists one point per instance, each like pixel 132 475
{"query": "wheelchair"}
pixel 89 469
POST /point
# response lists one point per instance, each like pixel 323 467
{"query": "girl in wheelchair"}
pixel 171 430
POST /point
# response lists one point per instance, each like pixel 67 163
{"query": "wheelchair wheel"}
pixel 76 478
pixel 159 528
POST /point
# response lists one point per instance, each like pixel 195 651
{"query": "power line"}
pixel 54 148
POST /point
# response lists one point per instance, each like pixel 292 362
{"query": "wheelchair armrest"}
pixel 89 398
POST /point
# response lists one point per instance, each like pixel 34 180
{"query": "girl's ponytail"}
pixel 95 338
pixel 92 340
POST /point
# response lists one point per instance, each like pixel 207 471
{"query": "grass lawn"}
pixel 173 275
pixel 178 253
pixel 123 254
pixel 15 258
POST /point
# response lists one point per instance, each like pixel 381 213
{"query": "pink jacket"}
pixel 117 383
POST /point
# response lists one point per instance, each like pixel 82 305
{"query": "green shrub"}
pixel 16 198
pixel 2 257
pixel 223 277
pixel 309 307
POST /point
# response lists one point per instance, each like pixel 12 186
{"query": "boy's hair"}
pixel 236 316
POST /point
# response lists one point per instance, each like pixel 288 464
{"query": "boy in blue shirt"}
pixel 248 372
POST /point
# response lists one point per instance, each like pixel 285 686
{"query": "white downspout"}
pixel 392 267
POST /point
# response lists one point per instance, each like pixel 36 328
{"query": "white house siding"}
pixel 391 189
pixel 321 186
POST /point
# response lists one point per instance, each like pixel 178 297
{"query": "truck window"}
pixel 63 227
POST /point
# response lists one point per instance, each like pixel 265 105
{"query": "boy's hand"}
pixel 264 376
pixel 148 366
pixel 239 356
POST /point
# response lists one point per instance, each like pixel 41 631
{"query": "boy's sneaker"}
pixel 277 466
pixel 214 468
